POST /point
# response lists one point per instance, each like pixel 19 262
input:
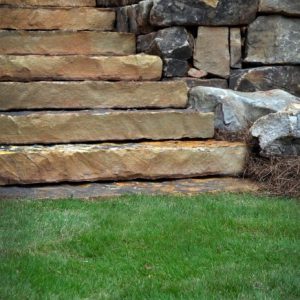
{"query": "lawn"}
pixel 206 247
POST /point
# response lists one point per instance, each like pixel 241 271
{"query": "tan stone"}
pixel 88 126
pixel 152 160
pixel 235 48
pixel 66 42
pixel 92 94
pixel 211 52
pixel 29 3
pixel 76 67
pixel 82 18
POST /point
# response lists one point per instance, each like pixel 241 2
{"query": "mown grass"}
pixel 205 247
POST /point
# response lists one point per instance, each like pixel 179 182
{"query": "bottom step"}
pixel 103 190
pixel 104 162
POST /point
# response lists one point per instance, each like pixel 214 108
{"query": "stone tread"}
pixel 55 3
pixel 80 67
pixel 20 42
pixel 103 162
pixel 92 126
pixel 116 189
pixel 79 18
pixel 92 94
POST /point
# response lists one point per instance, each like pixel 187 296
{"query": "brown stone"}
pixel 152 160
pixel 82 18
pixel 66 43
pixel 235 48
pixel 285 7
pixel 88 126
pixel 76 67
pixel 30 3
pixel 117 189
pixel 92 94
pixel 193 82
pixel 211 52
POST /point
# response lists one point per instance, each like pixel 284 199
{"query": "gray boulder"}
pixel 279 133
pixel 285 7
pixel 203 12
pixel 237 111
pixel 273 40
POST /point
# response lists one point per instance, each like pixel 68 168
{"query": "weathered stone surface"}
pixel 279 133
pixel 115 3
pixel 193 82
pixel 203 12
pixel 116 189
pixel 66 43
pixel 235 48
pixel 195 73
pixel 285 7
pixel 175 67
pixel 77 67
pixel 92 94
pixel 267 78
pixel 88 126
pixel 135 18
pixel 81 18
pixel 30 3
pixel 274 40
pixel 236 111
pixel 211 52
pixel 152 160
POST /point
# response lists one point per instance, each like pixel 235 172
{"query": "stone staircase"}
pixel 78 105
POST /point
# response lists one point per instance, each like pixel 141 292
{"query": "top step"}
pixel 80 18
pixel 52 3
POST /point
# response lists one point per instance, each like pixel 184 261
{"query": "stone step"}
pixel 78 67
pixel 19 42
pixel 57 3
pixel 102 162
pixel 81 18
pixel 92 94
pixel 91 126
pixel 116 189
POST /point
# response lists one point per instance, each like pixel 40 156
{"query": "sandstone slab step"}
pixel 81 18
pixel 100 162
pixel 88 126
pixel 78 67
pixel 19 42
pixel 38 3
pixel 116 189
pixel 92 94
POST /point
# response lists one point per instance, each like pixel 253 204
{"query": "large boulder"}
pixel 236 111
pixel 203 12
pixel 274 40
pixel 279 133
pixel 285 7
pixel 267 78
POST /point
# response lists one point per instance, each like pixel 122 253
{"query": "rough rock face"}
pixel 193 82
pixel 135 18
pixel 235 48
pixel 267 78
pixel 279 133
pixel 175 67
pixel 203 12
pixel 29 3
pixel 66 43
pixel 88 126
pixel 81 18
pixel 286 7
pixel 154 160
pixel 115 3
pixel 236 111
pixel 77 67
pixel 274 40
pixel 212 54
pixel 92 94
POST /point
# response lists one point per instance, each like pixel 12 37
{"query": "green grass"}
pixel 206 247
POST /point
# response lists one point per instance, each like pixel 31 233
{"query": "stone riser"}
pixel 92 94
pixel 66 43
pixel 154 160
pixel 55 3
pixel 90 126
pixel 77 67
